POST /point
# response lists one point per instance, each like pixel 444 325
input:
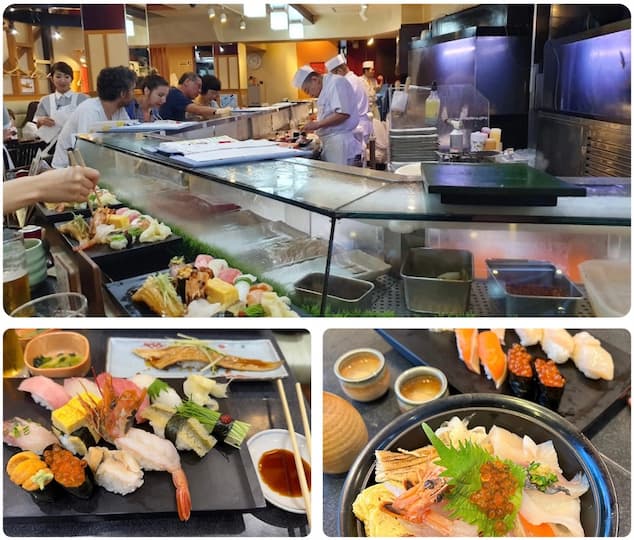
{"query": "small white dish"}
pixel 272 439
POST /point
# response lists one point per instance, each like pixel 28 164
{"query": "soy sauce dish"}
pixel 599 507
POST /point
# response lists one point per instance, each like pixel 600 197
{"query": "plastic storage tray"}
pixel 426 291
pixel 523 287
pixel 608 286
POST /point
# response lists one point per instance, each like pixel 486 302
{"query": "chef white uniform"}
pixel 59 107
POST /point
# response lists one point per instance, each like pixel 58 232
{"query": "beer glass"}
pixel 65 304
pixel 15 277
pixel 12 355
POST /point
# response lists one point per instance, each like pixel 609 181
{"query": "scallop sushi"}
pixel 520 371
pixel 550 383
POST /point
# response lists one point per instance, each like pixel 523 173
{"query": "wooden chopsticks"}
pixel 302 412
pixel 75 158
pixel 296 453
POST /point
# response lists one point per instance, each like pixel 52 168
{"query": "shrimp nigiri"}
pixel 492 357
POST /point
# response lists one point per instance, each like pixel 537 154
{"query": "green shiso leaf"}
pixel 462 466
pixel 156 388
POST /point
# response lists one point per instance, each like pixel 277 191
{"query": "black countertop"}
pixel 613 439
pixel 269 521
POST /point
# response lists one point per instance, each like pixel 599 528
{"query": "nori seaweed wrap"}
pixel 70 472
pixel 27 470
pixel 550 383
pixel 78 441
pixel 520 372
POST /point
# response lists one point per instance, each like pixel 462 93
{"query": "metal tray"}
pixel 585 402
pixel 503 274
pixel 226 472
pixel 344 293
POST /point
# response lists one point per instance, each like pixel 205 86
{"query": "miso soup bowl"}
pixel 369 387
pixel 599 506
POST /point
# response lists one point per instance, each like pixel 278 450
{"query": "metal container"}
pixel 437 280
pixel 519 287
pixel 344 293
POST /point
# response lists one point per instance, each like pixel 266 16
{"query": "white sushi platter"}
pixel 121 361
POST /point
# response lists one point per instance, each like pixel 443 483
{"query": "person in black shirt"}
pixel 180 99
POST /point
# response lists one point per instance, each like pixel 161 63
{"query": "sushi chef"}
pixel 337 65
pixel 370 87
pixel 337 116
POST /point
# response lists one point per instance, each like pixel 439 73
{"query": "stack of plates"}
pixel 413 144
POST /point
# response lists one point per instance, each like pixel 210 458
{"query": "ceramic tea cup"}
pixel 35 261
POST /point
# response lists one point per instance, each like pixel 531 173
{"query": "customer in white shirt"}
pixel 115 88
pixel 53 110
pixel 337 115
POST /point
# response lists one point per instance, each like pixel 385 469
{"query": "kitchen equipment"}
pixel 607 284
pixel 520 287
pixel 344 293
pixel 437 280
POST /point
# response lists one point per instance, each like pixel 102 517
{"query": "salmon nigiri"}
pixel 467 343
pixel 492 357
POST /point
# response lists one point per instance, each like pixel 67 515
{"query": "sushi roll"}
pixel 520 371
pixel 69 471
pixel 550 383
pixel 27 470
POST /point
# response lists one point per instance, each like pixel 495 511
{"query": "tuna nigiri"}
pixel 45 392
pixel 467 343
pixel 27 435
pixel 492 357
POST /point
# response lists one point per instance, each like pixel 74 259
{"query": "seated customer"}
pixel 180 99
pixel 29 127
pixel 115 88
pixel 210 92
pixel 145 108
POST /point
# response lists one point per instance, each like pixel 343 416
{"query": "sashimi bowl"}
pixel 58 354
pixel 597 512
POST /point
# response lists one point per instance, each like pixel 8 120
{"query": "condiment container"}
pixel 344 434
pixel 432 106
pixel 363 374
pixel 419 385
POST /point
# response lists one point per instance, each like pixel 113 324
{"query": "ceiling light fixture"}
pixel 243 24
pixel 370 42
pixel 223 18
pixel 254 9
pixel 362 12
pixel 279 18
pixel 211 13
pixel 56 34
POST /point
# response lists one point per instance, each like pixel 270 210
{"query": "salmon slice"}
pixel 492 357
pixel 467 343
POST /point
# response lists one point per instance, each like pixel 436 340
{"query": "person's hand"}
pixel 72 184
pixel 223 111
pixel 311 126
pixel 45 121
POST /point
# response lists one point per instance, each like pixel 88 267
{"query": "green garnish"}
pixel 471 499
pixel 209 419
pixel 156 388
pixel 541 477
pixel 256 310
pixel 42 478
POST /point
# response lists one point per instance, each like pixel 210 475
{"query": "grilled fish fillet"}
pixel 401 466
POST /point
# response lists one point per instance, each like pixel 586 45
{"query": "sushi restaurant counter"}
pixel 612 440
pixel 266 521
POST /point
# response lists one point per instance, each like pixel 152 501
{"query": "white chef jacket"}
pixel 339 144
pixel 365 122
pixel 81 120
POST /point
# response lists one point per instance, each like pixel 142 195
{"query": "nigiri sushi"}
pixel 27 435
pixel 558 345
pixel 79 385
pixel 499 332
pixel 115 470
pixel 119 385
pixel 550 383
pixel 592 359
pixel 467 343
pixel 529 336
pixel 198 388
pixel 492 357
pixel 158 391
pixel 45 392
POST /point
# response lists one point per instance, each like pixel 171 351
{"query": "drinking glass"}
pixel 66 304
pixel 15 276
pixel 12 355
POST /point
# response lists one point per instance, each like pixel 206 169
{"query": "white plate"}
pixel 122 362
pixel 273 439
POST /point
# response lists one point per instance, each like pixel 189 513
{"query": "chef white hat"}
pixel 301 75
pixel 335 62
pixel 368 64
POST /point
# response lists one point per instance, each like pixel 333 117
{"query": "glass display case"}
pixel 335 239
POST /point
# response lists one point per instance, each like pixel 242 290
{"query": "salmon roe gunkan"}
pixel 519 361
pixel 494 495
pixel 548 373
pixel 67 469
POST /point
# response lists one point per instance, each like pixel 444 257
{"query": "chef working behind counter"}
pixel 337 115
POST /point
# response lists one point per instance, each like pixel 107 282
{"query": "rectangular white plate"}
pixel 122 362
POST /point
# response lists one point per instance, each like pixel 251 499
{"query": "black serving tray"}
pixel 224 480
pixel 53 216
pixel 585 401
pixel 122 291
pixel 508 184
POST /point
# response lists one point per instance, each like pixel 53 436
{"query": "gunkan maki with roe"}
pixel 28 471
pixel 520 371
pixel 69 471
pixel 550 383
